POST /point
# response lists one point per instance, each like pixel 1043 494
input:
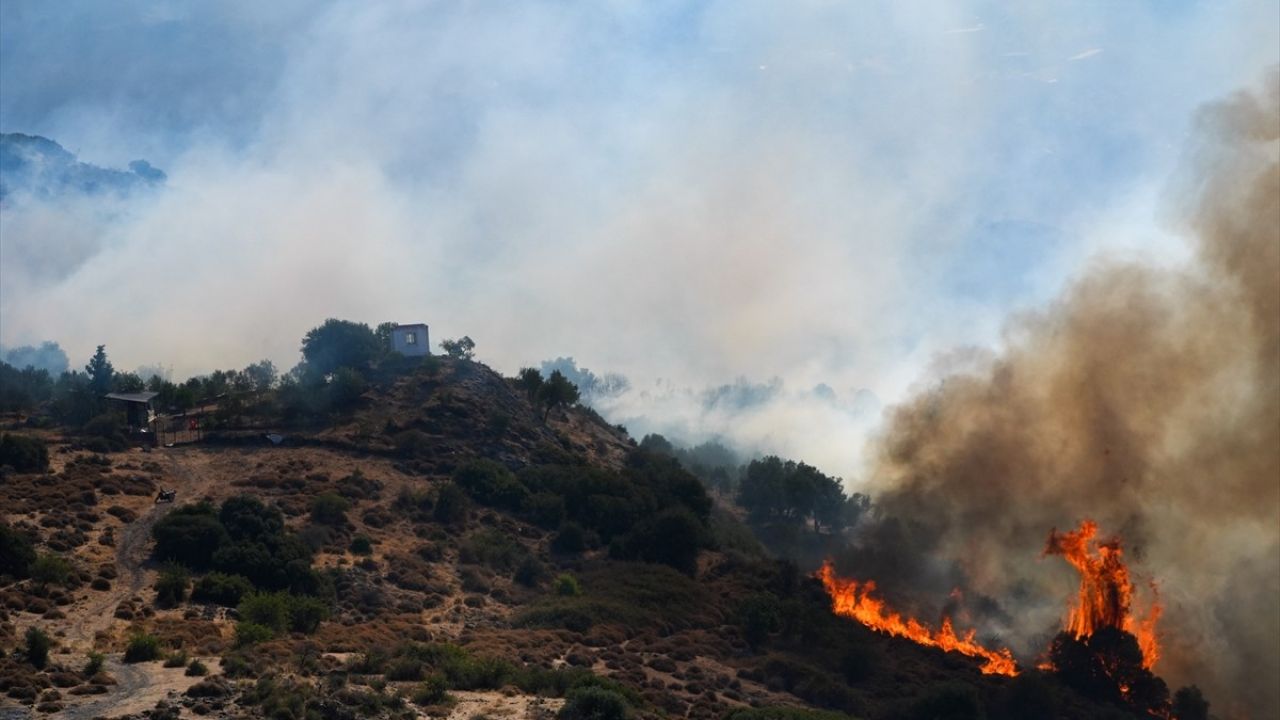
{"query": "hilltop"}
pixel 431 540
pixel 41 167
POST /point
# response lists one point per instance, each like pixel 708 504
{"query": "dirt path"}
pixel 131 561
pixel 138 687
pixel 495 704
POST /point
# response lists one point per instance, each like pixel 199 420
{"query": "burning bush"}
pixel 1108 666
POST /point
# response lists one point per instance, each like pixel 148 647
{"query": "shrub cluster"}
pixel 441 667
pixel 38 644
pixel 171 586
pixel 280 612
pixel 242 537
pixel 142 648
pixel 17 554
pixel 222 589
pixel 23 454
pixel 653 510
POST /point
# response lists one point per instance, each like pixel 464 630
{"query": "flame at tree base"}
pixel 850 598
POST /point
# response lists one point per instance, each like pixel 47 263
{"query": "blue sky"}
pixel 687 193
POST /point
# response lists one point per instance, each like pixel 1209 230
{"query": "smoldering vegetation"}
pixel 1145 398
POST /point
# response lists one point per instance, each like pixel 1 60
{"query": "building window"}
pixel 411 338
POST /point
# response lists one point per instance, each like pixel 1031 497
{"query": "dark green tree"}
pixel 462 349
pixel 38 644
pixel 17 554
pixel 127 382
pixel 762 491
pixel 340 343
pixel 1189 704
pixel 23 390
pixel 557 392
pixel 383 332
pixel 100 372
pixel 346 388
pixel 260 376
pixel 672 537
pixel 530 380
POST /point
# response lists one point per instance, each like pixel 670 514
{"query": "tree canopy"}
pixel 557 392
pixel 100 372
pixel 774 489
pixel 464 348
pixel 340 343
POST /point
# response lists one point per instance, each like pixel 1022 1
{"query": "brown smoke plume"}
pixel 1147 399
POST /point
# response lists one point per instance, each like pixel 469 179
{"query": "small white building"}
pixel 410 340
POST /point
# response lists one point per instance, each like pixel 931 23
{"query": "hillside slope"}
pixel 439 549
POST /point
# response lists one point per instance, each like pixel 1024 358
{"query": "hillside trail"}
pixel 138 686
pixel 131 557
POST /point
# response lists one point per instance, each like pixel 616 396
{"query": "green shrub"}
pixel 673 537
pixel 567 585
pixel 189 535
pixel 306 613
pixel 280 612
pixel 23 454
pixel 571 538
pixel 1030 696
pixel 634 595
pixel 175 660
pixel 93 663
pixel 220 588
pixel 452 505
pixel 432 691
pixel 251 633
pixel 403 669
pixel 142 648
pixel 491 484
pixel 492 548
pixel 196 669
pixel 16 553
pixel 759 616
pixel 530 572
pixel 106 431
pixel 37 649
pixel 468 672
pixel 329 509
pixel 270 610
pixel 947 701
pixel 280 700
pixel 544 509
pixel 361 545
pixel 859 663
pixel 594 703
pixel 51 569
pixel 237 665
pixel 171 586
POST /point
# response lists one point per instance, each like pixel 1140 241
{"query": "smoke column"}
pixel 1145 398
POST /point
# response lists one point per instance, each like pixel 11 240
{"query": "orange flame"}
pixel 1106 592
pixel 853 599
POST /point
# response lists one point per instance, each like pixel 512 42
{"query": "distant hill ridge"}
pixel 38 166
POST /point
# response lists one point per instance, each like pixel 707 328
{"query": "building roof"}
pixel 139 397
pixel 407 326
